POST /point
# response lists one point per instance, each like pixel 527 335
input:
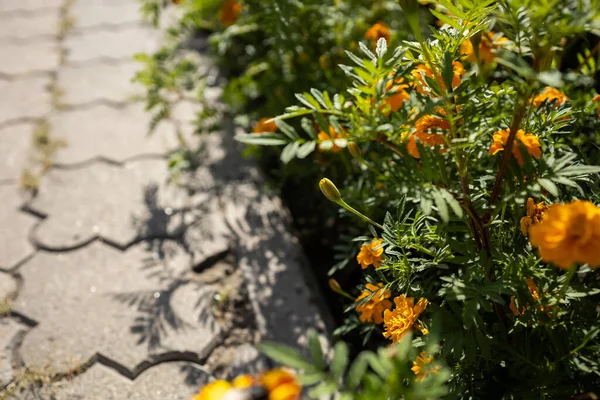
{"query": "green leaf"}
pixel 316 351
pixel 307 125
pixel 381 48
pixel 286 129
pixel 549 186
pixel 441 205
pixel 261 139
pixel 310 104
pixel 306 149
pixel 322 390
pixel 285 355
pixel 289 152
pixel 357 371
pixel 340 359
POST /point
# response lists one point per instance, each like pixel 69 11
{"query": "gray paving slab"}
pixel 8 287
pixel 121 204
pixel 15 141
pixel 18 102
pixel 110 44
pixel 16 225
pixel 10 331
pixel 109 82
pixel 104 14
pixel 114 133
pixel 38 26
pixel 32 57
pixel 130 307
pixel 31 6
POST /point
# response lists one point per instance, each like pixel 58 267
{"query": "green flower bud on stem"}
pixel 355 150
pixel 335 286
pixel 330 191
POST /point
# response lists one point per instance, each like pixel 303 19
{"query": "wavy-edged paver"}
pixel 37 26
pixel 112 133
pixel 34 57
pixel 98 82
pixel 29 6
pixel 132 307
pixel 14 149
pixel 120 204
pixel 10 332
pixel 16 225
pixel 23 98
pixel 94 14
pixel 112 45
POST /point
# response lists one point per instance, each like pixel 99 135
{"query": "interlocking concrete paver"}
pixel 14 147
pixel 109 132
pixel 8 287
pixel 9 332
pixel 28 26
pixel 118 203
pixel 89 83
pixel 24 98
pixel 114 44
pixel 94 14
pixel 129 307
pixel 34 6
pixel 18 58
pixel 16 225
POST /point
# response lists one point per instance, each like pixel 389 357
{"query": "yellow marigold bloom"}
pixel 401 320
pixel 396 95
pixel 597 99
pixel 370 255
pixel 487 47
pixel 214 391
pixel 378 31
pixel 422 368
pixel 244 381
pixel 265 127
pixel 529 140
pixel 333 134
pixel 372 310
pixel 568 234
pixel 230 12
pixel 535 212
pixel 281 385
pixel 550 95
pixel 421 71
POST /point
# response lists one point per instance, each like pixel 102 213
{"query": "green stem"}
pixel 343 204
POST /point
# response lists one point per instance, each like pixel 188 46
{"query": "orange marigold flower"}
pixel 265 127
pixel 214 391
pixel 487 47
pixel 378 31
pixel 396 95
pixel 332 136
pixel 534 291
pixel 281 385
pixel 568 234
pixel 597 99
pixel 422 368
pixel 421 71
pixel 529 140
pixel 423 127
pixel 550 95
pixel 535 212
pixel 401 320
pixel 230 12
pixel 370 254
pixel 372 310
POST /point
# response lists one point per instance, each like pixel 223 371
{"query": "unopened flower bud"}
pixel 335 286
pixel 329 190
pixel 355 150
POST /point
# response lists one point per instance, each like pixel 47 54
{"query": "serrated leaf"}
pixel 286 129
pixel 289 152
pixel 381 48
pixel 302 98
pixel 549 186
pixel 357 371
pixel 316 351
pixel 285 355
pixel 261 139
pixel 441 206
pixel 340 359
pixel 305 149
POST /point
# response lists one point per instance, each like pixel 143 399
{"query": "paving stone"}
pixel 16 225
pixel 17 101
pixel 37 6
pixel 93 14
pixel 113 44
pixel 10 331
pixel 8 287
pixel 110 82
pixel 116 134
pixel 132 307
pixel 37 56
pixel 119 204
pixel 28 26
pixel 15 141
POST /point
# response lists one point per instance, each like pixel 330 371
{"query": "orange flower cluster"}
pixel 535 212
pixel 230 12
pixel 265 127
pixel 332 136
pixel 529 140
pixel 424 126
pixel 421 71
pixel 550 95
pixel 401 320
pixel 421 367
pixel 372 310
pixel 534 291
pixel 378 31
pixel 279 385
pixel 370 254
pixel 396 95
pixel 487 47
pixel 568 234
pixel 596 99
